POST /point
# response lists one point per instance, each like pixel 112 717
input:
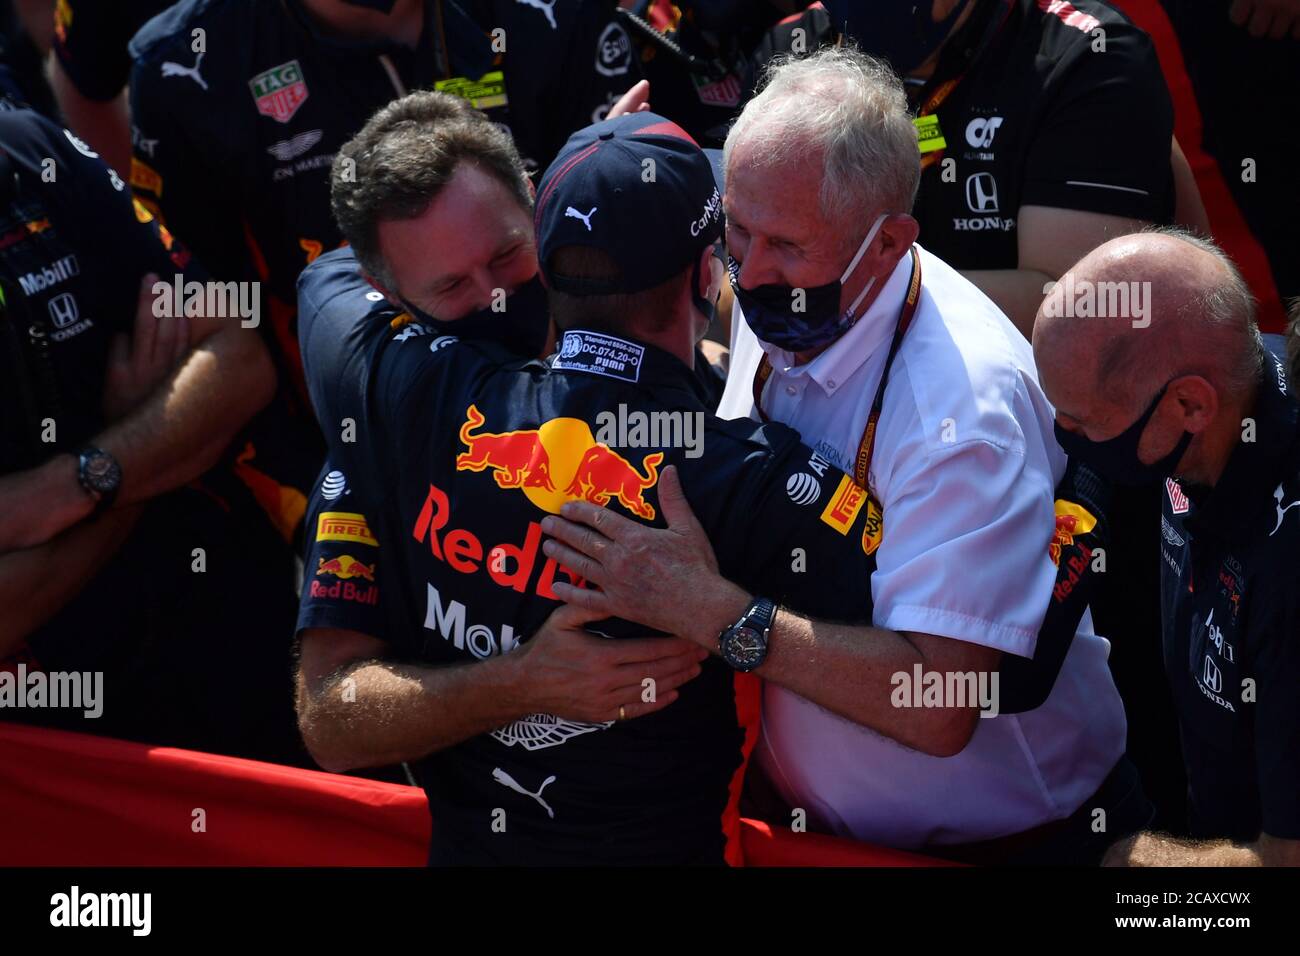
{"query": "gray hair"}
pixel 849 107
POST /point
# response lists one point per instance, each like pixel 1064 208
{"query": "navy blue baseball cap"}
pixel 637 187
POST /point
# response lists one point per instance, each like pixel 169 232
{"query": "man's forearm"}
pixel 1017 292
pixel 1161 849
pixel 183 427
pixel 850 669
pixel 37 582
pixel 374 713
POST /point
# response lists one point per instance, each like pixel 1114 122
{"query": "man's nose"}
pixel 485 287
pixel 758 267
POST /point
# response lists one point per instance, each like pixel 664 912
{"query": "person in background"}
pixel 242 105
pixel 1187 399
pixel 89 68
pixel 125 549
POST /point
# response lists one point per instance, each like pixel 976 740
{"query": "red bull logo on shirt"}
pixel 558 462
pixel 1071 519
pixel 509 565
pixel 344 567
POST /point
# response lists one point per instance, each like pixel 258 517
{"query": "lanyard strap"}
pixel 866 446
pixel 941 93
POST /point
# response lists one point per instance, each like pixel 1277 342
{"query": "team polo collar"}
pixel 1255 467
pixel 352 47
pixel 968 44
pixel 873 330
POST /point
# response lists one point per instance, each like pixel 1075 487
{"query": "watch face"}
pixel 102 473
pixel 746 647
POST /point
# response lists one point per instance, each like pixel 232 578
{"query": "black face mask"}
pixel 522 326
pixel 1117 458
pixel 708 309
pixel 383 6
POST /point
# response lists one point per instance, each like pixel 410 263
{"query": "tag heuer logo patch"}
pixel 279 91
pixel 1178 502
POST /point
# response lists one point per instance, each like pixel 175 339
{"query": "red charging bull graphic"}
pixel 1071 519
pixel 518 459
pixel 538 462
pixel 345 567
pixel 603 474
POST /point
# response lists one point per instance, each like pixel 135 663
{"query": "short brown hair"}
pixel 650 310
pixel 402 158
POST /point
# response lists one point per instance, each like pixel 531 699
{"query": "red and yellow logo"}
pixel 1071 519
pixel 144 176
pixel 62 20
pixel 346 567
pixel 843 508
pixel 874 526
pixel 344 526
pixel 558 462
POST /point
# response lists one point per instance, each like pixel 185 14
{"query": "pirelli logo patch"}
pixel 845 503
pixel 344 526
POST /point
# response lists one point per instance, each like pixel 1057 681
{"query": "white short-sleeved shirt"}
pixel 965 466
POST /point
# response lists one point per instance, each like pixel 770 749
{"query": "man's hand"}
pixel 1271 18
pixel 635 100
pixel 664 578
pixel 137 367
pixel 572 673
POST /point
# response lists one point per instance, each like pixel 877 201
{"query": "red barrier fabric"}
pixel 1229 227
pixel 70 799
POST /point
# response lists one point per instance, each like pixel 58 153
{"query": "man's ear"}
pixel 379 287
pixel 1198 402
pixel 897 233
pixel 712 274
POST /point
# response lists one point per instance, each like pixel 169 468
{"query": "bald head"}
pixel 1137 312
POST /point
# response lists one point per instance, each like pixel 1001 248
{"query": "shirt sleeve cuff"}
pixel 961 627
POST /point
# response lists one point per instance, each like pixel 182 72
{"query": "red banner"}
pixel 75 800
